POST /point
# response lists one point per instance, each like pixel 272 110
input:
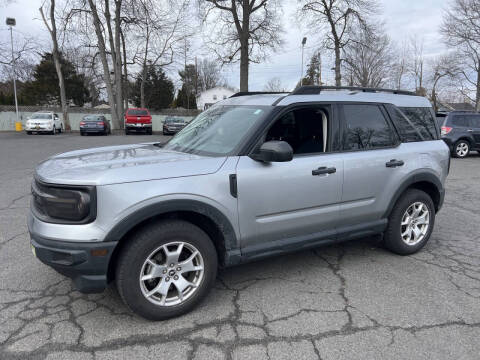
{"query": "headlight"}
pixel 64 204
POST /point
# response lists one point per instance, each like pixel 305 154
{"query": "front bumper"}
pixel 86 263
pixel 39 128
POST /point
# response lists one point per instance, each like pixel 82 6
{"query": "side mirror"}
pixel 273 151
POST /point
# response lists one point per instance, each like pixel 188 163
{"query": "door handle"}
pixel 324 170
pixel 470 130
pixel 394 163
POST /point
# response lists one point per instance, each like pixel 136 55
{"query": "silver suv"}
pixel 256 175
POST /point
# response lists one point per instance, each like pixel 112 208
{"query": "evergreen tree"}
pixel 159 90
pixel 44 88
pixel 186 96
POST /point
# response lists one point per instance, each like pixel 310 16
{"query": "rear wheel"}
pixel 461 149
pixel 166 269
pixel 127 132
pixel 29 133
pixel 149 131
pixel 410 223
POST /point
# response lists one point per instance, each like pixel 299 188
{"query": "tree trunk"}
pixel 106 71
pixel 56 60
pixel 118 60
pixel 477 96
pixel 244 55
pixel 125 73
pixel 338 60
pixel 142 85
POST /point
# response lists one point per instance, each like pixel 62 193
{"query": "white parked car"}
pixel 44 122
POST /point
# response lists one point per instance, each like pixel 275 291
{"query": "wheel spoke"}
pixel 181 284
pixel 156 271
pixel 162 288
pixel 173 256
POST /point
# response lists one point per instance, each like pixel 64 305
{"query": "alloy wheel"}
pixel 415 223
pixel 171 274
pixel 462 149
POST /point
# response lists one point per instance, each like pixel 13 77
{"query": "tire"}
pixel 61 129
pixel 29 133
pixel 149 132
pixel 82 133
pixel 409 200
pixel 127 132
pixel 461 149
pixel 132 263
pixel 54 131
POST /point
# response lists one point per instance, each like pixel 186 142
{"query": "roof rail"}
pixel 245 93
pixel 315 90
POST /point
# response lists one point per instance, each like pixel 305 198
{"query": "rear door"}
pixel 372 164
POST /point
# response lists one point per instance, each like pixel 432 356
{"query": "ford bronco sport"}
pixel 253 176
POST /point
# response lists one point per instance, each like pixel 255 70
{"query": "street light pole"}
pixel 304 40
pixel 11 22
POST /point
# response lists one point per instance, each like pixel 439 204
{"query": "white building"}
pixel 209 97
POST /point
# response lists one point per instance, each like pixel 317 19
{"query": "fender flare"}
pixel 419 176
pixel 163 207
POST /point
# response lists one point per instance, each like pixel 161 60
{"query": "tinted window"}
pixel 475 121
pixel 460 120
pixel 423 121
pixel 137 112
pixel 407 131
pixel 365 128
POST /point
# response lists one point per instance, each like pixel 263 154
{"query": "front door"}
pixel 283 204
pixel 475 129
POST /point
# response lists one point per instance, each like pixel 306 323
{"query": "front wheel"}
pixel 410 223
pixel 166 269
pixel 54 131
pixel 461 149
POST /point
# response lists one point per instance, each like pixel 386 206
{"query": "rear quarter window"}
pixel 423 121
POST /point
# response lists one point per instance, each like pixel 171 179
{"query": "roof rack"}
pixel 315 90
pixel 245 93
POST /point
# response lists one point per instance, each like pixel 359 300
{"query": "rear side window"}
pixel 422 119
pixel 406 129
pixel 460 120
pixel 365 128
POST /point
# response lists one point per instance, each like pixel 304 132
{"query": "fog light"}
pixel 99 252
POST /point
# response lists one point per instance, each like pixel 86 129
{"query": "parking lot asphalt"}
pixel 350 301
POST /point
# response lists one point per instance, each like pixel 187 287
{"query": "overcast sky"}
pixel 403 19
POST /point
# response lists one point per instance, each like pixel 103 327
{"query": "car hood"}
pixel 125 163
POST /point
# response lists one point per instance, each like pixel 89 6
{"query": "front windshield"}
pixel 41 116
pixel 217 131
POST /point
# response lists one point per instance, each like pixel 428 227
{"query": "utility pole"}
pixel 12 22
pixel 304 40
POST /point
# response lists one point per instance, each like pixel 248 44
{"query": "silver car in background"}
pixel 251 177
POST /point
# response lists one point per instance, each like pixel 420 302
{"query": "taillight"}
pixel 82 123
pixel 100 123
pixel 446 130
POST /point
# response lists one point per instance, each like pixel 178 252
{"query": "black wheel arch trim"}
pixel 168 206
pixel 419 176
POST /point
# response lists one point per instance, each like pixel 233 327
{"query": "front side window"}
pixel 219 130
pixel 304 129
pixel 475 121
pixel 365 128
pixel 423 120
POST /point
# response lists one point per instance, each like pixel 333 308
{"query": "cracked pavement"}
pixel 349 301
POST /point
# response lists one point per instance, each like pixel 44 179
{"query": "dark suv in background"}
pixel 461 132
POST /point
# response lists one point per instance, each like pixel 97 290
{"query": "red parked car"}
pixel 138 120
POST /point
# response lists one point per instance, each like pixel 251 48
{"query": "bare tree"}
pixel 25 55
pixel 400 65
pixel 417 64
pixel 337 17
pixel 242 30
pixel 51 25
pixel 461 29
pixel 159 26
pixel 368 57
pixel 443 67
pixel 209 74
pixel 274 85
